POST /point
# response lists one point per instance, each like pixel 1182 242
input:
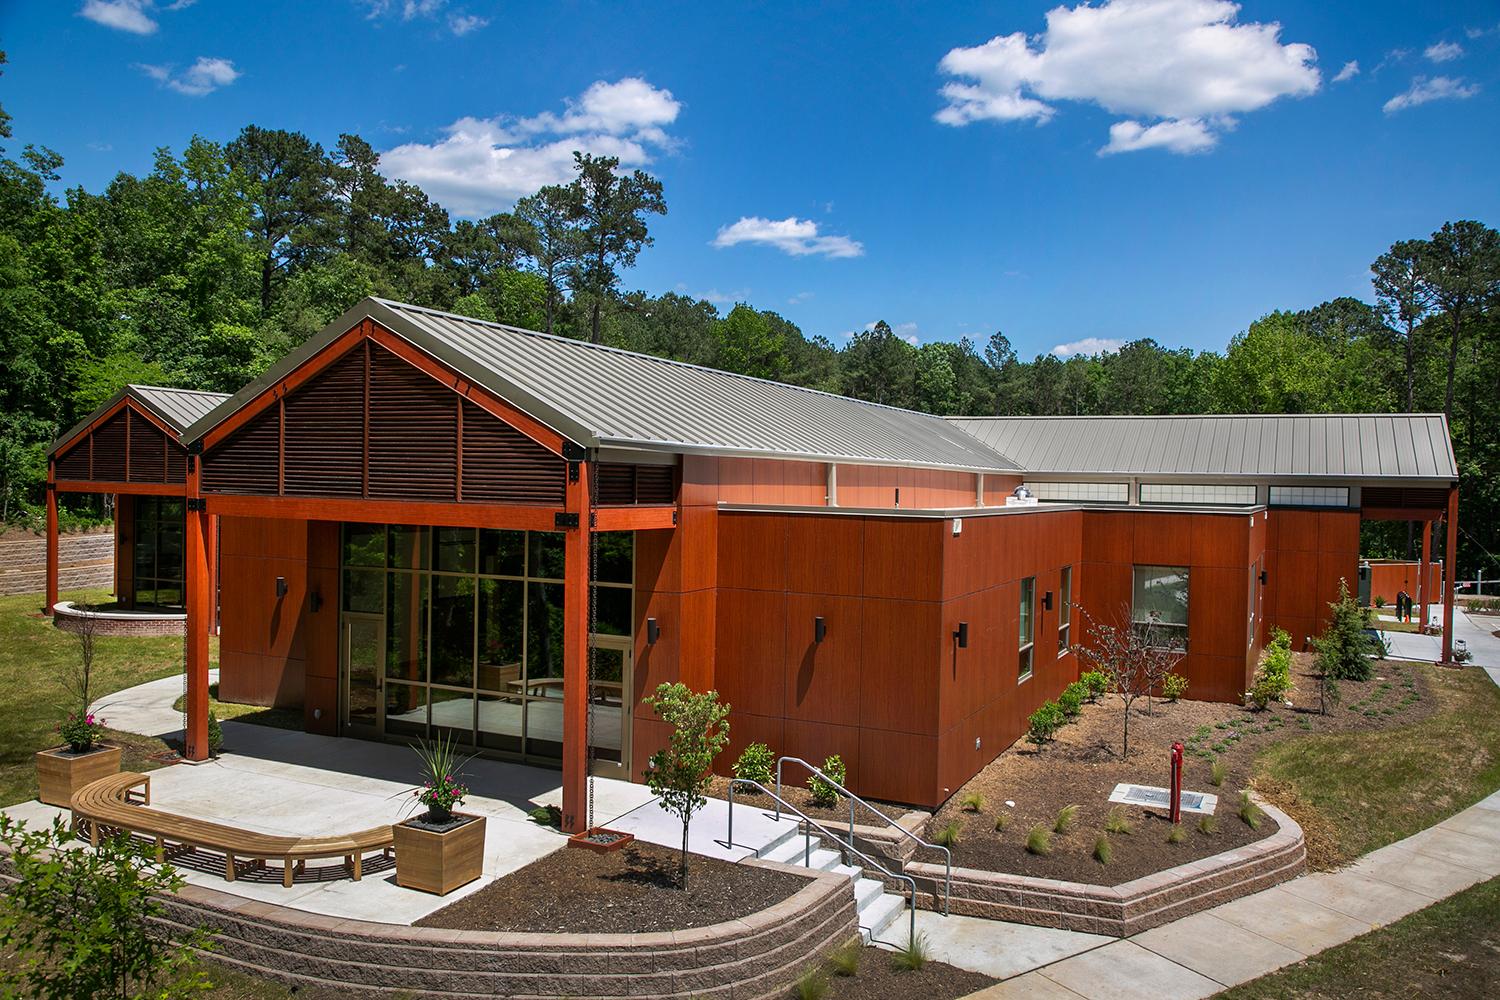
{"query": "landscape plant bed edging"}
pixel 1128 908
pixel 758 956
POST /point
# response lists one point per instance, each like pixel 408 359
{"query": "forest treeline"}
pixel 204 271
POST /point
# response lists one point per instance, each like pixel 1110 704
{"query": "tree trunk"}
pixel 1457 324
pixel 1411 365
pixel 594 322
pixel 551 298
pixel 683 875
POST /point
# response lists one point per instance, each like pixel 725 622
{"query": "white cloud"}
pixel 124 15
pixel 1424 91
pixel 1349 72
pixel 907 332
pixel 1441 52
pixel 794 236
pixel 1185 63
pixel 1474 34
pixel 719 298
pixel 799 298
pixel 1179 136
pixel 1088 347
pixel 203 77
pixel 483 164
pixel 420 8
pixel 462 24
pixel 459 21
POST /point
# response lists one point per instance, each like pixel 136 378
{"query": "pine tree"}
pixel 1343 648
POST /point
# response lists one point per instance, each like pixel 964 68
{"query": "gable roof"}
pixel 177 408
pixel 1322 446
pixel 600 396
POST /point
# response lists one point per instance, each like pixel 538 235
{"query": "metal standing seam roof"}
pixel 177 408
pixel 600 396
pixel 1321 446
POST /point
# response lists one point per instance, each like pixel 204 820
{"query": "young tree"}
pixel 610 210
pixel 1344 648
pixel 680 772
pixel 1131 655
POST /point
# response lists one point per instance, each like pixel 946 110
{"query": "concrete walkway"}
pixel 1476 631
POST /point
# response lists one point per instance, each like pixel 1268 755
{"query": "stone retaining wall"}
pixel 750 959
pixel 1126 909
pixel 83 560
pixel 121 623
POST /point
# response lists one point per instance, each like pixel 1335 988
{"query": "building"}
pixel 398 516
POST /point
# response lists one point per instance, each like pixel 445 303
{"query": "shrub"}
pixel 1217 773
pixel 546 816
pixel 1174 687
pixel 1096 683
pixel 1102 850
pixel 1002 820
pixel 1273 678
pixel 215 735
pixel 757 763
pixel 1116 822
pixel 1063 822
pixel 1343 648
pixel 1206 825
pixel 1070 702
pixel 91 923
pixel 913 956
pixel 1039 840
pixel 1249 811
pixel 948 836
pixel 811 985
pixel 1044 723
pixel 1176 834
pixel 1379 601
pixel 81 732
pixel 845 961
pixel 972 803
pixel 823 792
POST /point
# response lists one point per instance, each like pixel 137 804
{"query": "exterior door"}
pixel 609 707
pixel 362 708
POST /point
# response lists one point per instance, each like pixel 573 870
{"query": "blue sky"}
pixel 1164 168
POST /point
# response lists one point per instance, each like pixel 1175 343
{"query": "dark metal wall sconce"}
pixel 1047 601
pixel 281 586
pixel 820 629
pixel 961 635
pixel 1262 578
pixel 653 631
pixel 315 602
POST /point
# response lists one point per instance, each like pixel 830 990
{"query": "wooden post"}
pixel 1450 572
pixel 1424 573
pixel 211 541
pixel 199 620
pixel 576 652
pixel 51 535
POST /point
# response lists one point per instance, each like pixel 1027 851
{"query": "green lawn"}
pixel 1361 790
pixel 1450 949
pixel 34 656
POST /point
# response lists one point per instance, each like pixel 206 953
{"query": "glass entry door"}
pixel 363 639
pixel 610 705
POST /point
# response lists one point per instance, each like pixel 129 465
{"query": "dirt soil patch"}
pixel 878 979
pixel 630 891
pixel 1084 764
pixel 800 796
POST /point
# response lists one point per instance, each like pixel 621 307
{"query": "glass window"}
pixel 1160 598
pixel 364 545
pixel 454 550
pixel 406 626
pixel 1065 610
pixel 408 547
pixel 612 611
pixel 406 709
pixel 1028 626
pixel 1309 496
pixel 501 621
pixel 158 562
pixel 546 555
pixel 613 552
pixel 453 630
pixel 544 633
pixel 502 553
pixel 363 591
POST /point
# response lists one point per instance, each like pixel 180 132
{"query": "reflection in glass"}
pixel 502 553
pixel 501 722
pixel 364 545
pixel 612 611
pixel 500 631
pixel 454 550
pixel 363 640
pixel 406 621
pixel 544 633
pixel 362 590
pixel 405 709
pixel 614 551
pixel 453 715
pixel 608 701
pixel 453 630
pixel 408 547
pixel 547 555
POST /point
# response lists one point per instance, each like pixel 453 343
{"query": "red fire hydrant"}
pixel 1176 783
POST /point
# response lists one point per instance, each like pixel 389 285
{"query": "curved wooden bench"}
pixel 123 802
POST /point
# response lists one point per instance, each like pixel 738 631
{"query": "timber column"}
pixel 1450 571
pixel 576 644
pixel 51 535
pixel 196 583
pixel 1424 574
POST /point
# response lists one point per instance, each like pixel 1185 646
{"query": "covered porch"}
pixel 1432 510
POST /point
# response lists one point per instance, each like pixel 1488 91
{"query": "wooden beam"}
pixel 576 654
pixel 634 518
pixel 1400 513
pixel 51 598
pixel 1450 572
pixel 1424 592
pixel 457 515
pixel 133 489
pixel 196 583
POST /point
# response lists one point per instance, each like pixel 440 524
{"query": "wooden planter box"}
pixel 439 862
pixel 586 841
pixel 59 774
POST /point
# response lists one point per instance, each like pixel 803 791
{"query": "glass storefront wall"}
pixel 157 528
pixel 473 622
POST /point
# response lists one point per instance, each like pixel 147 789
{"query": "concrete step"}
pixel 866 889
pixel 880 913
pixel 782 837
pixel 850 870
pixel 794 852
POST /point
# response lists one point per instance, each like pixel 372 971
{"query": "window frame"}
pixel 1137 622
pixel 1026 622
pixel 1064 611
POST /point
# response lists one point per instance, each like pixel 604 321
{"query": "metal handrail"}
pixel 911 900
pixel 948 881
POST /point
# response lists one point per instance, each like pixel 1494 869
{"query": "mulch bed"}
pixel 878 979
pixel 1083 765
pixel 799 796
pixel 632 890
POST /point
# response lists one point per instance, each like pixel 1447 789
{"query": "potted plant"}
pixel 82 758
pixel 439 850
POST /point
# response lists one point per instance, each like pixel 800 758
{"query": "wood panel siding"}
pixel 622 483
pixel 125 445
pixel 1307 553
pixel 370 425
pixel 110 442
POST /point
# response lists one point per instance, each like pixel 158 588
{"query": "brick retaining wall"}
pixel 83 560
pixel 121 623
pixel 1123 910
pixel 751 959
